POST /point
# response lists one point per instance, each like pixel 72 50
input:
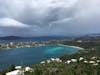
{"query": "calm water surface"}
pixel 33 55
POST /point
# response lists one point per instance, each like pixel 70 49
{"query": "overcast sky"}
pixel 49 17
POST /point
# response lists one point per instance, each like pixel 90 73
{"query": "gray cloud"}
pixel 49 17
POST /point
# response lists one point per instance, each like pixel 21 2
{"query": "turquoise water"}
pixel 33 55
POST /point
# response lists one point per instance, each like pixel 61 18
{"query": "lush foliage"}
pixel 64 69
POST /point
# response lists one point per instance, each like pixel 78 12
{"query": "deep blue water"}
pixel 33 55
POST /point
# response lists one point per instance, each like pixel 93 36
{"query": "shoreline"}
pixel 46 45
pixel 72 46
pixel 56 44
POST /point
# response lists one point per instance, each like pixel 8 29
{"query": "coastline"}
pixel 78 48
pixel 72 46
pixel 57 45
pixel 29 46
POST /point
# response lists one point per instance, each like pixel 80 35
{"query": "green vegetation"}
pixel 91 46
pixel 65 69
pixel 91 49
pixel 11 68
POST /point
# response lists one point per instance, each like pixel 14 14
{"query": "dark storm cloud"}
pixel 49 17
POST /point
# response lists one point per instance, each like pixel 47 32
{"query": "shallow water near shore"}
pixel 32 55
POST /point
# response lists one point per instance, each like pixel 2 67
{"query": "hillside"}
pixel 10 37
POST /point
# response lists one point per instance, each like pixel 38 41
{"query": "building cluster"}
pixel 26 44
pixel 21 44
pixel 52 60
pixel 93 60
pixel 20 70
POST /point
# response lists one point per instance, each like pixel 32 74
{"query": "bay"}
pixel 32 55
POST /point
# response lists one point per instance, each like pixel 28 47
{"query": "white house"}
pixel 81 58
pixel 43 62
pixel 52 59
pixel 98 61
pixel 74 60
pixel 85 61
pixel 93 57
pixel 18 67
pixel 48 61
pixel 11 43
pixel 92 62
pixel 58 60
pixel 79 41
pixel 68 61
pixel 27 68
pixel 15 72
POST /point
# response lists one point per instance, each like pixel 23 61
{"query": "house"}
pixel 74 60
pixel 92 62
pixel 81 58
pixel 18 67
pixel 15 72
pixel 68 61
pixel 43 62
pixel 48 61
pixel 52 59
pixel 93 57
pixel 85 61
pixel 58 60
pixel 79 41
pixel 98 61
pixel 27 69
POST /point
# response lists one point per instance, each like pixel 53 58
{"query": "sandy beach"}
pixel 72 46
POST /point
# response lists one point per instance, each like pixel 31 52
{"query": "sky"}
pixel 49 17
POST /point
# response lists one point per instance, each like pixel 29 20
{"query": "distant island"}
pixel 11 37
